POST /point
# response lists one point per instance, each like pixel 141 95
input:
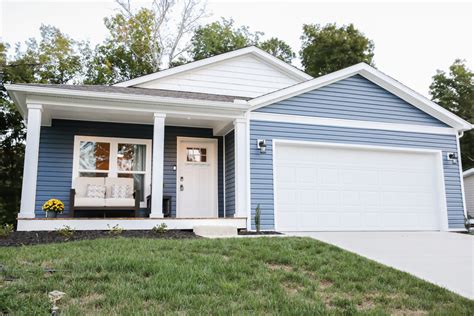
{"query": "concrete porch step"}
pixel 215 231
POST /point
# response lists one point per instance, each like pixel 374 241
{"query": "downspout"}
pixel 461 178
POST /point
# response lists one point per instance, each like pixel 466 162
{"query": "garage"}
pixel 340 187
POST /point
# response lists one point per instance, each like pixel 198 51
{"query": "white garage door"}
pixel 332 187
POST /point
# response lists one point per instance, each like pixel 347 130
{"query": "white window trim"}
pixel 113 171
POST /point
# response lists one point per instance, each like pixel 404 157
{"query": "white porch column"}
pixel 242 191
pixel 157 166
pixel 30 167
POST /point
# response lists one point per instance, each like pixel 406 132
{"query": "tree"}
pixel 330 48
pixel 56 58
pixel 128 52
pixel 455 92
pixel 223 36
pixel 172 22
pixel 279 49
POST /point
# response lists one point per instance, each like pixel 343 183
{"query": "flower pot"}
pixel 51 214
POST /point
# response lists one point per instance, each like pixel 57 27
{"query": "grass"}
pixel 295 276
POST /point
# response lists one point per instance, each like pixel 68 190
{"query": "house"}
pixel 468 176
pixel 208 141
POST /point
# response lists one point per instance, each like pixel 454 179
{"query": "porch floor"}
pixel 127 223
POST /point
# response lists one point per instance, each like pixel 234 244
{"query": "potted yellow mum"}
pixel 53 207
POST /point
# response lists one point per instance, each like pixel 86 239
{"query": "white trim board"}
pixel 378 78
pixel 443 215
pixel 268 58
pixel 284 118
pixel 52 224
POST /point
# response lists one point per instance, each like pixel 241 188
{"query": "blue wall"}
pixel 57 146
pixel 354 98
pixel 229 174
pixel 261 165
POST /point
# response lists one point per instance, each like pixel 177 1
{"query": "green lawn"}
pixel 200 276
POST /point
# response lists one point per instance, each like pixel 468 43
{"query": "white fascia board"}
pixel 295 72
pixel 182 103
pixel 378 78
pixel 468 173
pixel 322 121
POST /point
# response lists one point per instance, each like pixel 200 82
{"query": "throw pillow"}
pixel 95 191
pixel 121 191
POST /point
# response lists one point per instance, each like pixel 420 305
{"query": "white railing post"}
pixel 157 166
pixel 30 169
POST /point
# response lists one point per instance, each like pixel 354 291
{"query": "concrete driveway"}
pixel 445 259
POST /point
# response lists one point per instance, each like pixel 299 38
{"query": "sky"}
pixel 412 39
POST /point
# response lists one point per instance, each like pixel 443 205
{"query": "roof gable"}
pixel 353 98
pixel 248 72
pixel 374 76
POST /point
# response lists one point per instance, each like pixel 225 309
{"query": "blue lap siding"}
pixel 229 174
pixel 57 146
pixel 354 98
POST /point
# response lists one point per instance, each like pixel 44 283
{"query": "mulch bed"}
pixel 47 237
pixel 244 232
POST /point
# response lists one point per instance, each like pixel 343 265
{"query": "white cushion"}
pixel 80 184
pixel 119 202
pixel 109 182
pixel 89 202
pixel 95 191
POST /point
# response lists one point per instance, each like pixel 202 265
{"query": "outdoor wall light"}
pixel 452 157
pixel 174 167
pixel 262 145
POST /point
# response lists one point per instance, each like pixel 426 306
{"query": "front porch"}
pixel 196 163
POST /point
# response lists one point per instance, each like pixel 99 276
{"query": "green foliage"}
pixel 115 230
pixel 128 50
pixel 278 48
pixel 223 36
pixel 66 231
pixel 257 219
pixel 6 230
pixel 329 48
pixel 455 92
pixel 160 229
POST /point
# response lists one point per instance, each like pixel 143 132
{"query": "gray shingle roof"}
pixel 143 91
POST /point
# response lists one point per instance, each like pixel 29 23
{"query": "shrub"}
pixel 258 213
pixel 160 229
pixel 6 230
pixel 115 230
pixel 66 231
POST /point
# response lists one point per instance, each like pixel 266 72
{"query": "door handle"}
pixel 181 187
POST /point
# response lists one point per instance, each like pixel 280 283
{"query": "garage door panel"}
pixel 319 188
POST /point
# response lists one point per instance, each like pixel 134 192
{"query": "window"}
pixel 114 157
pixel 196 154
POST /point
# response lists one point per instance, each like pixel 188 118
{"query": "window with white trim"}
pixel 114 157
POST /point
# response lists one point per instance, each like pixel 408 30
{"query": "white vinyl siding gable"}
pixel 245 76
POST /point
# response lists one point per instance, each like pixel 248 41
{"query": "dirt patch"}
pixel 324 284
pixel 43 237
pixel 277 266
pixel 292 288
pixel 409 313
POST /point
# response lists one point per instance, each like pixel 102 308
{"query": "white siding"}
pixel 469 193
pixel 246 76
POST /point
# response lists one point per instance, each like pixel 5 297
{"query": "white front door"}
pixel 196 188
